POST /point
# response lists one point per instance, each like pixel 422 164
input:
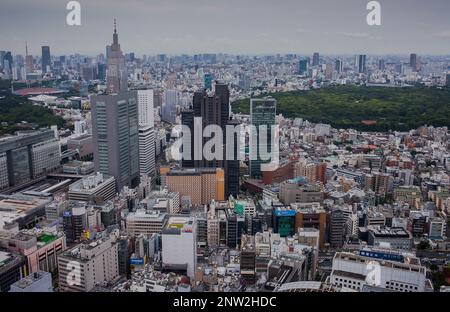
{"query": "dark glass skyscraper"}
pixel 262 113
pixel 316 59
pixel 413 61
pixel 214 110
pixel 362 64
pixel 46 58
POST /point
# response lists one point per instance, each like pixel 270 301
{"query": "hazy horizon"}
pixel 250 27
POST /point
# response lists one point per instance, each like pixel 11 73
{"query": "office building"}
pixel 284 221
pixel 316 59
pixel 293 191
pixel 311 216
pixel 146 108
pixel 413 62
pixel 84 266
pixel 302 67
pixel 179 245
pixel 395 238
pixel 145 222
pixel 116 137
pixel 147 152
pixel 362 67
pixel 28 156
pixel 201 185
pixel 169 109
pixel 262 117
pixel 339 66
pixel 46 59
pixel 75 222
pixel 115 122
pixel 208 81
pixel 96 188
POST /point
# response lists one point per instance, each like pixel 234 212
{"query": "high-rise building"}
pixel 362 69
pixel 147 151
pixel 413 61
pixel 262 114
pixel 116 137
pixel 316 59
pixel 116 74
pixel 46 59
pixel 169 109
pixel 302 67
pixel 447 81
pixel 146 109
pixel 339 66
pixel 381 65
pixel 187 120
pixel 115 129
pixel 208 80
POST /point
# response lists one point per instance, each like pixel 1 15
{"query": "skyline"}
pixel 177 27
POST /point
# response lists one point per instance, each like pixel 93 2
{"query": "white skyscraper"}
pixel 147 151
pixel 146 111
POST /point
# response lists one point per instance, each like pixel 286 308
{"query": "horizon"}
pixel 231 27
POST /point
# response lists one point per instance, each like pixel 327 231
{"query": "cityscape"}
pixel 220 172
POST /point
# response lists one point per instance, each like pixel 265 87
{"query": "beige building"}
pixel 145 222
pixel 201 185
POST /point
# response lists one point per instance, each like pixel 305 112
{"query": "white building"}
pixel 179 242
pixel 394 271
pixel 145 104
pixel 147 151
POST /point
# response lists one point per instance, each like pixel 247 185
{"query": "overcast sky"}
pixel 229 26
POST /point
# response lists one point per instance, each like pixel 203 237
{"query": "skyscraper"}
pixel 146 134
pixel 262 113
pixel 116 74
pixel 339 66
pixel 146 113
pixel 115 124
pixel 381 65
pixel 169 109
pixel 447 82
pixel 147 151
pixel 316 59
pixel 302 67
pixel 46 58
pixel 28 60
pixel 413 61
pixel 208 79
pixel 362 69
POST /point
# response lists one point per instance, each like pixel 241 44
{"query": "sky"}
pixel 228 26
